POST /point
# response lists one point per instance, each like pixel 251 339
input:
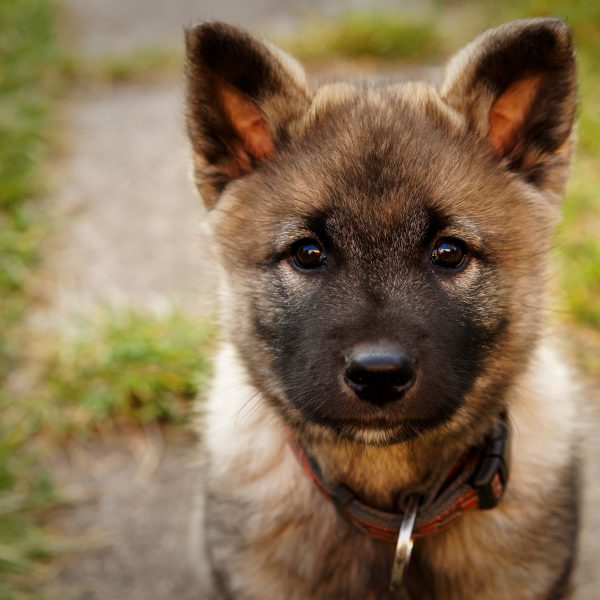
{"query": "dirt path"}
pixel 130 234
pixel 134 504
pixel 130 218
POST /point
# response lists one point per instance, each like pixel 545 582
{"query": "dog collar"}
pixel 477 480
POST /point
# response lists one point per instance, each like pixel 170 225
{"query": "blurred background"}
pixel 106 300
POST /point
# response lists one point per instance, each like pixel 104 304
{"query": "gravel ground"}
pixel 134 516
pixel 131 222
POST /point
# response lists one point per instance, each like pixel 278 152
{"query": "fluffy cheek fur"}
pixel 518 291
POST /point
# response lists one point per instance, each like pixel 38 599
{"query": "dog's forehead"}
pixel 385 100
pixel 389 153
pixel 376 164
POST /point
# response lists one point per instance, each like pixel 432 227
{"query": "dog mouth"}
pixel 381 431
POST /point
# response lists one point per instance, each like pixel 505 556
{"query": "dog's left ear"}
pixel 516 85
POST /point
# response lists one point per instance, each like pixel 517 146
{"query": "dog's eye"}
pixel 307 254
pixel 449 253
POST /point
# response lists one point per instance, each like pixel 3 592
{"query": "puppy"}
pixel 384 378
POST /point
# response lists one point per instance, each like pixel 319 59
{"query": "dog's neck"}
pixel 378 474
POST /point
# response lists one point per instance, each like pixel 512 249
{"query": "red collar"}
pixel 478 480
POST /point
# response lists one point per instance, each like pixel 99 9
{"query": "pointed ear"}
pixel 241 96
pixel 516 86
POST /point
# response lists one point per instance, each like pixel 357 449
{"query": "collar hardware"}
pixel 491 475
pixel 404 545
pixel 477 480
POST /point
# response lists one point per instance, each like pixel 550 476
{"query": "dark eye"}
pixel 449 253
pixel 307 254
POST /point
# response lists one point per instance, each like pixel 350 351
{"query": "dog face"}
pixel 383 247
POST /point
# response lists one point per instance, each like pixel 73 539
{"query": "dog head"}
pixel 383 247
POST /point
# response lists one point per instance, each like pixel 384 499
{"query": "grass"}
pixel 148 63
pixel 29 81
pixel 383 35
pixel 25 493
pixel 121 368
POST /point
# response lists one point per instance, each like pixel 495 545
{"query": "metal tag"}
pixel 405 543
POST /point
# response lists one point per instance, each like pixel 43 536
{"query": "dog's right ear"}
pixel 241 96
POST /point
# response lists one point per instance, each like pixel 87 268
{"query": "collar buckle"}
pixel 491 475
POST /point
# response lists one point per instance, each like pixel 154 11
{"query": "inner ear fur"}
pixel 250 126
pixel 516 86
pixel 241 95
pixel 509 112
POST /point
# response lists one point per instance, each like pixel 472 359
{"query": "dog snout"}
pixel 379 374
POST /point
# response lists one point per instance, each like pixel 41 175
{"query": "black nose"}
pixel 379 374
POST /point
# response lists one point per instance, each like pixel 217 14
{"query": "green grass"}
pixel 122 368
pixel 388 36
pixel 119 369
pixel 29 82
pixel 148 63
pixel 25 493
